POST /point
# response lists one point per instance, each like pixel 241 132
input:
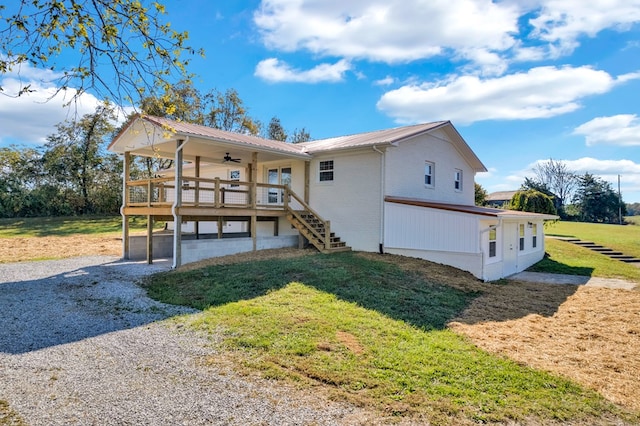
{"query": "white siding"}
pixel 420 228
pixel 353 200
pixel 405 170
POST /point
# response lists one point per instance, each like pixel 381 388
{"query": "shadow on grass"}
pixel 547 264
pixel 379 286
pixel 420 293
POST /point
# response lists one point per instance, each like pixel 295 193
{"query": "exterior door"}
pixel 510 249
pixel 278 176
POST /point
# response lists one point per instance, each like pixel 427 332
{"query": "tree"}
pixel 226 111
pixel 480 195
pixel 532 201
pixel 555 177
pixel 300 136
pixel 76 162
pixel 123 47
pixel 275 131
pixel 596 201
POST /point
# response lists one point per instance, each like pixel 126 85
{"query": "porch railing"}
pixel 204 192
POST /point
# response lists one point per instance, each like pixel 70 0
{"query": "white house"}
pixel 407 190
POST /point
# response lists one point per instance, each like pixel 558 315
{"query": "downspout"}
pixel 382 191
pixel 177 202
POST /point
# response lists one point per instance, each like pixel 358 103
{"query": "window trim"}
pixel 457 180
pixel 493 243
pixel 326 171
pixel 431 175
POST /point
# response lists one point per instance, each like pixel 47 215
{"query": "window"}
pixel 457 180
pixel 492 242
pixel 521 236
pixel 534 232
pixel 235 176
pixel 325 171
pixel 429 176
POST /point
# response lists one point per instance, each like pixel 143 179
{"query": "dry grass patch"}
pixel 592 335
pixel 20 249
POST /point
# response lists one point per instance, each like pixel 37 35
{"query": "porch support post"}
pixel 254 199
pixel 149 239
pixel 196 225
pixel 220 226
pixel 177 217
pixel 126 171
pixel 307 171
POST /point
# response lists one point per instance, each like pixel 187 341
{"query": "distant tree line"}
pixel 74 174
pixel 555 189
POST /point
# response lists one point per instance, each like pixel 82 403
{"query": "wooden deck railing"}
pixel 204 192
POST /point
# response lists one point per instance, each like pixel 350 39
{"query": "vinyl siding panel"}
pixel 405 170
pixel 419 228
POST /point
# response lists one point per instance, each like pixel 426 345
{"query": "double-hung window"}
pixel 457 180
pixel 493 237
pixel 522 237
pixel 534 235
pixel 429 174
pixel 325 171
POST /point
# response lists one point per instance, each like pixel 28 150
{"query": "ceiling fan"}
pixel 227 158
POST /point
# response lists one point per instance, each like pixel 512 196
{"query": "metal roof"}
pixel 387 136
pixel 477 210
pixel 223 135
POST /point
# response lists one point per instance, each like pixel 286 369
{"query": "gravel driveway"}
pixel 81 344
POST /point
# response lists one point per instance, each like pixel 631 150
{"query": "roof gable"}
pixel 396 136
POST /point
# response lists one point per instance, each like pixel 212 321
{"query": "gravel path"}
pixel 80 344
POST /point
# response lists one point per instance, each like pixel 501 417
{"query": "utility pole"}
pixel 619 202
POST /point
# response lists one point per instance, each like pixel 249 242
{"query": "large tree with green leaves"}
pixel 122 49
pixel 596 201
pixel 76 161
pixel 532 201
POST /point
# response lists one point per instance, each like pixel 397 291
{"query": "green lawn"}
pixel 567 258
pixel 374 334
pixel 625 238
pixel 64 226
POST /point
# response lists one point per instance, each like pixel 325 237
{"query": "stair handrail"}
pixel 326 239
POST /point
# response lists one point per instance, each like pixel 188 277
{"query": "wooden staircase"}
pixel 310 225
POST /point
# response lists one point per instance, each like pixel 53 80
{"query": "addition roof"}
pixel 476 210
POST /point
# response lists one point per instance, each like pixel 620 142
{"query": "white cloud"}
pixel 276 71
pixel 538 93
pixel 387 81
pixel 390 31
pixel 563 22
pixel 30 118
pixel 622 130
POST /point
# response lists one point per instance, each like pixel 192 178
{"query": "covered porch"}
pixel 217 178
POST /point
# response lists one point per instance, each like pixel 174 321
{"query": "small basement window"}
pixel 429 175
pixel 325 171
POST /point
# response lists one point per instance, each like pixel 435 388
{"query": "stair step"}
pixel 634 260
pixel 584 243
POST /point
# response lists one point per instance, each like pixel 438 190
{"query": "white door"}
pixel 278 176
pixel 510 249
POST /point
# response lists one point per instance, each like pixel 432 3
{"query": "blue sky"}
pixel 523 81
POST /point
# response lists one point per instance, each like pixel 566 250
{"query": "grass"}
pixel 568 258
pixel 372 333
pixel 8 417
pixel 624 238
pixel 66 226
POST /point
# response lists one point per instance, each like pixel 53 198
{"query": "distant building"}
pixel 497 199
